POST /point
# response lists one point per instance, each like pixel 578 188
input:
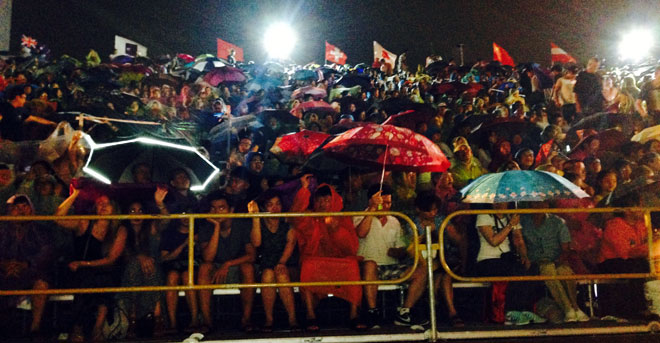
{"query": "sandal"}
pixel 312 325
pixel 456 322
pixel 358 325
pixel 247 327
pixel 294 327
pixel 267 328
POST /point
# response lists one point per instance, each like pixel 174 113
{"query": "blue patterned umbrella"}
pixel 520 185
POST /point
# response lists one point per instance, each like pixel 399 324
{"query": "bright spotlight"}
pixel 279 41
pixel 636 44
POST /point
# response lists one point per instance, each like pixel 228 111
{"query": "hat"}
pixel 442 104
pixel 459 141
pixel 20 199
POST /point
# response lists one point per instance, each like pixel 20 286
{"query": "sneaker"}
pixel 403 317
pixel 515 318
pixel 533 317
pixel 570 316
pixel 374 317
pixel 581 316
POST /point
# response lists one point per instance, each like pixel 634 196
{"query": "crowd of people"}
pixel 486 118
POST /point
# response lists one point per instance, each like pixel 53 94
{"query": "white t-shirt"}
pixel 487 251
pixel 380 239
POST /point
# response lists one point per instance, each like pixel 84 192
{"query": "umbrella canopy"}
pixel 316 92
pixel 647 134
pixel 162 79
pixel 122 59
pixel 110 162
pixel 312 106
pixel 393 106
pixel 207 64
pixel 352 80
pixel 283 117
pixel 411 118
pixel 602 121
pixel 224 74
pixel 393 147
pixel 505 128
pixel 296 147
pixel 305 74
pixel 520 185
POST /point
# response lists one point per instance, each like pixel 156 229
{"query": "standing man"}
pixel 589 89
pixel 650 93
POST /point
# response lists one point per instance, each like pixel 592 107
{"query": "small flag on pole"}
pixel 559 55
pixel 225 47
pixel 334 54
pixel 502 56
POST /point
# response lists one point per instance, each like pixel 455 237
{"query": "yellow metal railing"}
pixel 191 243
pixel 647 220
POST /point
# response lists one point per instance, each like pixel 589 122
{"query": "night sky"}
pixel 524 28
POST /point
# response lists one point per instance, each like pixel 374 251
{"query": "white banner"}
pixel 124 46
pixel 5 24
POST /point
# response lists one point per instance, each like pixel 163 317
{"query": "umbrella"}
pixel 207 64
pixel 602 121
pixel 520 185
pixel 396 105
pixel 185 58
pixel 352 80
pixel 647 134
pixel 162 79
pixel 296 147
pixel 316 92
pixel 224 74
pixel 205 57
pixel 313 106
pixel 388 146
pixel 411 118
pixel 122 59
pixel 353 91
pixel 609 139
pixel 283 117
pixel 436 67
pixel 305 74
pixel 263 82
pixel 108 162
pixel 505 128
pixel 456 88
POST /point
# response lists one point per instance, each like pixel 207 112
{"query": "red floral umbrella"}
pixel 224 74
pixel 388 146
pixel 296 147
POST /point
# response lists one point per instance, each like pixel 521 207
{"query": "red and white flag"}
pixel 382 53
pixel 559 55
pixel 334 54
pixel 224 48
pixel 502 56
pixel 28 42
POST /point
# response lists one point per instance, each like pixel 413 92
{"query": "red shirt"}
pixel 622 240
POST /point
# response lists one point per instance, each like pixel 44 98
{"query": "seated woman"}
pixel 328 251
pixel 275 243
pixel 98 244
pixel 513 301
pixel 174 255
pixel 142 266
pixel 624 249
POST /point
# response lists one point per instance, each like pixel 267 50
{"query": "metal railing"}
pixel 428 247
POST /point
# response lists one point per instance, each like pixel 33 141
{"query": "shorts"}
pixel 233 276
pixel 391 271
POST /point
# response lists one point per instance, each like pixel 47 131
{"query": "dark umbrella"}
pixel 111 162
pixel 282 116
pixel 122 59
pixel 602 121
pixel 411 118
pixel 436 67
pixel 224 74
pixel 305 74
pixel 505 127
pixel 396 105
pixel 352 80
pixel 162 79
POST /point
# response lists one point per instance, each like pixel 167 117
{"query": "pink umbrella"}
pixel 312 106
pixel 316 92
pixel 224 74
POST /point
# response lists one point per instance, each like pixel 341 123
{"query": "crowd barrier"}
pixel 465 281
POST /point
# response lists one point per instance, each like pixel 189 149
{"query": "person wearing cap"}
pixel 26 256
pixel 465 167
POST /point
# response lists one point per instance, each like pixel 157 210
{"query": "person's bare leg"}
pixel 191 299
pixel 247 294
pixel 448 294
pixel 38 304
pixel 370 273
pixel 417 285
pixel 310 303
pixel 97 332
pixel 268 295
pixel 206 270
pixel 172 298
pixel 286 294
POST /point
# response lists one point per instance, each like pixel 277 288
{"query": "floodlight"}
pixel 279 40
pixel 636 44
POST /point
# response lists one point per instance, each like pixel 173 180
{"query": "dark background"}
pixel 524 28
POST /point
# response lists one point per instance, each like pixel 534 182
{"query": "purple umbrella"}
pixel 224 74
